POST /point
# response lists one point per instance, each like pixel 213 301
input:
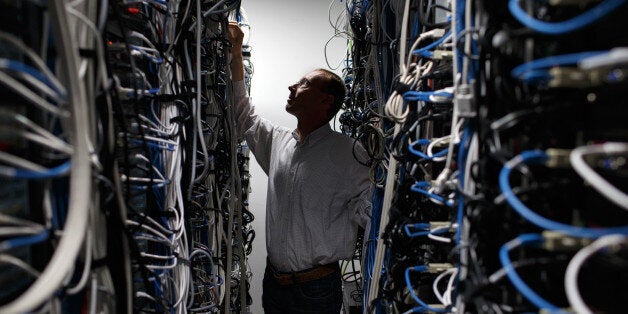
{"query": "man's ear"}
pixel 328 100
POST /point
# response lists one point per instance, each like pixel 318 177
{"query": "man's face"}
pixel 306 99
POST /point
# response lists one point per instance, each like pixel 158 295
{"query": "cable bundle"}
pixel 50 161
pixel 503 159
pixel 547 104
pixel 408 133
pixel 130 186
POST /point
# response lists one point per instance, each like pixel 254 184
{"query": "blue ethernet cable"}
pixel 154 144
pixel 424 227
pixel 371 246
pixel 161 2
pixel 157 60
pixel 421 51
pixel 424 96
pixel 537 69
pixel 424 306
pixel 24 241
pixel 467 135
pixel 567 26
pixel 151 91
pixel 23 68
pixel 425 230
pixel 540 157
pixel 417 187
pixel 350 10
pixel 423 155
pixel 522 287
pixel 60 170
pixel 459 18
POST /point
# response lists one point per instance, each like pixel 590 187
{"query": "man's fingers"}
pixel 235 31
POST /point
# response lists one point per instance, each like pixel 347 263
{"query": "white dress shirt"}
pixel 318 193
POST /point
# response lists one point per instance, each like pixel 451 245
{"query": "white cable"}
pixel 157 225
pixel 450 289
pixel 435 142
pixel 616 56
pixel 17 232
pixel 32 81
pixel 198 111
pixel 87 265
pixel 37 61
pixel 22 120
pixel 100 51
pixel 10 259
pixel 175 282
pixel 433 233
pixel 52 143
pixel 31 96
pixel 19 162
pixel 467 43
pixel 151 230
pixel 403 35
pixel 571 274
pixel 93 296
pixel 185 274
pixel 10 220
pixel 395 102
pixel 444 175
pixel 389 190
pixel 597 182
pixel 155 256
pixel 439 296
pixel 337 33
pixel 154 127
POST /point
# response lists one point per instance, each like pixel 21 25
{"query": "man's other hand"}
pixel 236 35
pixel 235 38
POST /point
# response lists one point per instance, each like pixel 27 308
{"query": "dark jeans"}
pixel 323 295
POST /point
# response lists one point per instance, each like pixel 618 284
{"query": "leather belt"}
pixel 305 275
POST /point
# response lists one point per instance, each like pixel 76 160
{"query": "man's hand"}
pixel 236 35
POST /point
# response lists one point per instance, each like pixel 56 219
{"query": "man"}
pixel 318 193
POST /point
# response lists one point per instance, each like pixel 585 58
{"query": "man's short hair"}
pixel 333 85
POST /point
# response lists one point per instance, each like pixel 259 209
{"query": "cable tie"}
pixel 189 83
pixel 401 88
pixel 179 119
pixel 182 260
pixel 99 263
pixel 167 214
pixel 88 53
pixel 166 97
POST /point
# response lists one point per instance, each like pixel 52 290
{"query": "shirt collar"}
pixel 313 137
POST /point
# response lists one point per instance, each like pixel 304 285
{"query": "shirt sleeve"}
pixel 257 132
pixel 360 204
